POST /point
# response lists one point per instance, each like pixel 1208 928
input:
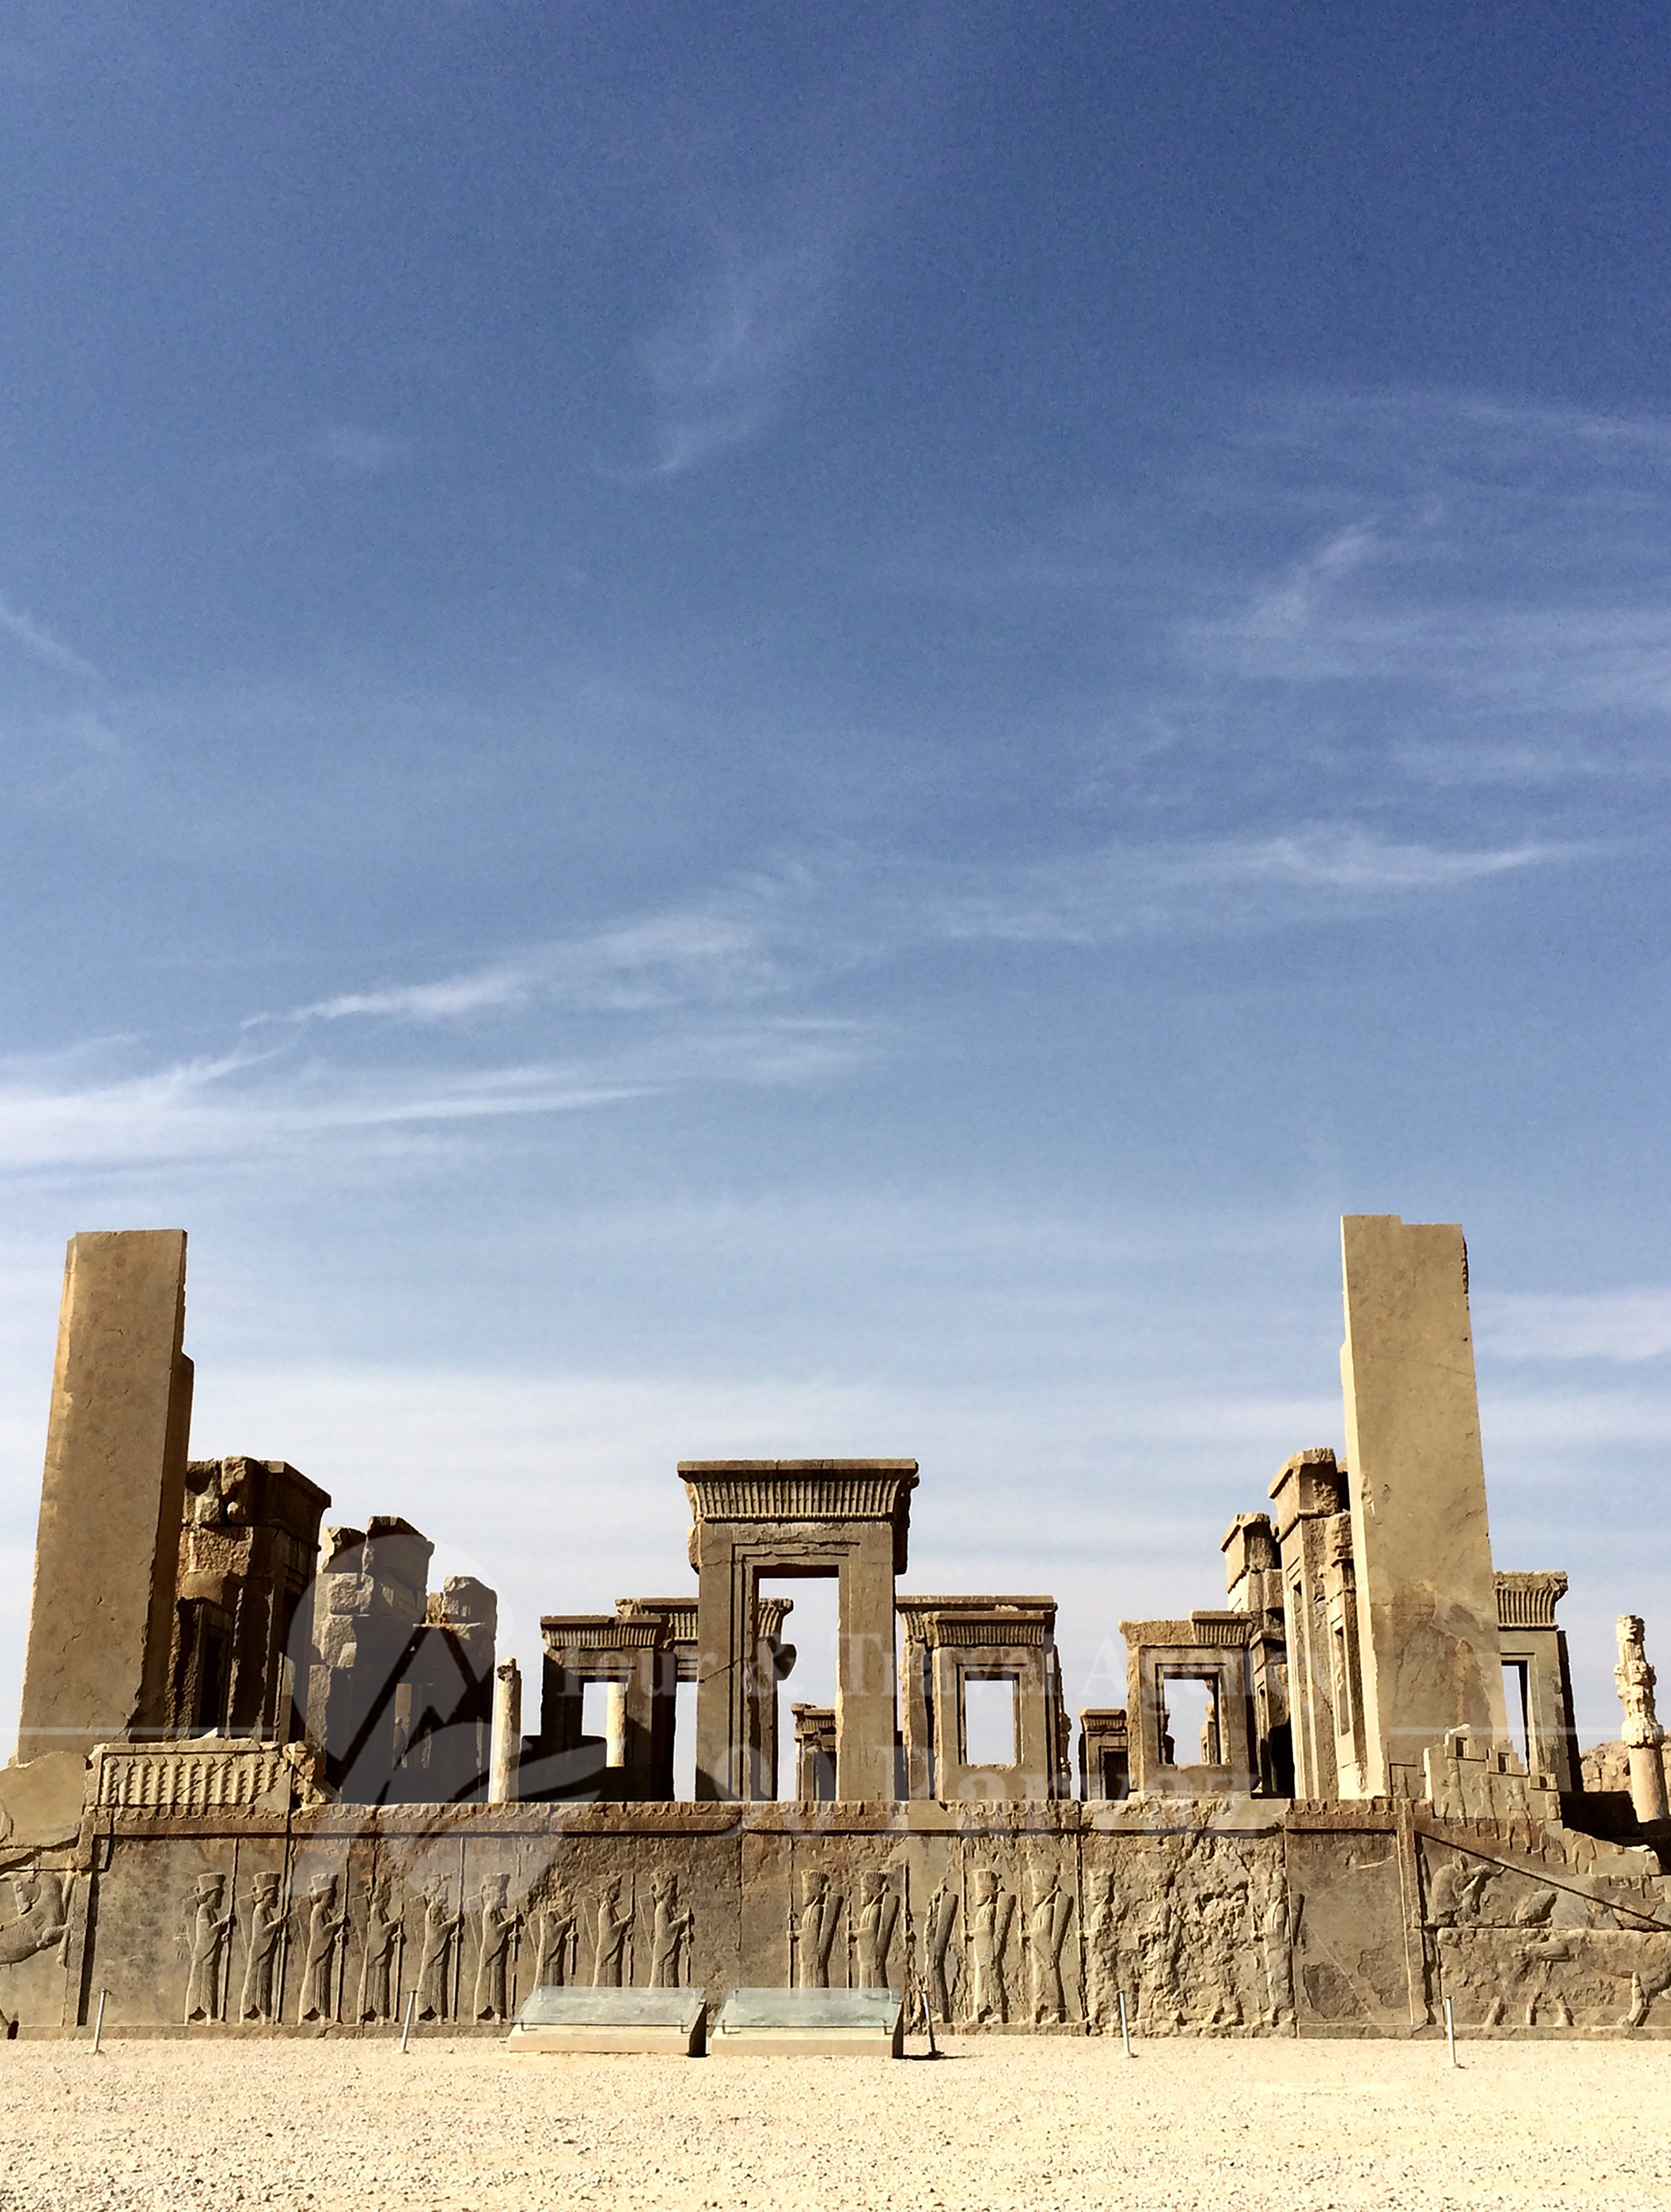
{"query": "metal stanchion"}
pixel 99 2021
pixel 1124 2026
pixel 406 2025
pixel 1451 2030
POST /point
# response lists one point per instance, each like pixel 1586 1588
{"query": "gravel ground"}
pixel 998 2123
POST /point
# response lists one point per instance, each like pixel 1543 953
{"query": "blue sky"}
pixel 803 731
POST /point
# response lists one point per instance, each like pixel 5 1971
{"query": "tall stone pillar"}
pixel 1643 1735
pixel 1428 1645
pixel 1309 1522
pixel 503 1774
pixel 102 1615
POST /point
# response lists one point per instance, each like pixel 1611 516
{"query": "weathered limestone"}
pixel 220 1881
pixel 1252 1581
pixel 1468 1778
pixel 951 1642
pixel 1313 1533
pixel 1642 1734
pixel 443 1697
pixel 775 1660
pixel 1211 1648
pixel 633 1655
pixel 1105 1754
pixel 369 1601
pixel 788 1518
pixel 815 1754
pixel 101 1619
pixel 244 1612
pixel 504 1776
pixel 1426 1597
pixel 1535 1653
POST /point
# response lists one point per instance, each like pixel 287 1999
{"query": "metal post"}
pixel 99 2021
pixel 406 2025
pixel 1125 2028
pixel 1451 2030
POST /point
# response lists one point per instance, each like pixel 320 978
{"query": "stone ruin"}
pixel 267 1782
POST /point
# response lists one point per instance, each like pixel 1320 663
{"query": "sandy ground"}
pixel 999 2122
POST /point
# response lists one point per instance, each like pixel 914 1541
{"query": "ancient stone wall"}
pixel 1209 1918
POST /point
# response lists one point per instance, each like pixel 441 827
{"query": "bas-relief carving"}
pixel 671 1932
pixel 383 1940
pixel 1104 1922
pixel 40 1916
pixel 873 1926
pixel 1196 1932
pixel 938 1969
pixel 1049 1910
pixel 498 1926
pixel 266 1917
pixel 1512 1950
pixel 812 1930
pixel 612 1923
pixel 553 1927
pixel 990 1909
pixel 441 1925
pixel 322 1931
pixel 1277 1918
pixel 208 1925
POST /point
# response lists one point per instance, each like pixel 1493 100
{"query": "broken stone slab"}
pixel 666 2022
pixel 809 2024
pixel 41 1801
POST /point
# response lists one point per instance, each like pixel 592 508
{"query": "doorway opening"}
pixel 812 1628
pixel 1189 1721
pixel 990 1716
pixel 1517 1701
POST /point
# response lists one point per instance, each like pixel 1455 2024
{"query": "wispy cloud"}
pixel 24 630
pixel 1621 1326
pixel 1481 584
pixel 718 953
pixel 1215 883
pixel 775 932
pixel 244 1105
pixel 717 366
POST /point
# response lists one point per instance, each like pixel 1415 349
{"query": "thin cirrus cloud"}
pixel 1493 571
pixel 773 934
pixel 655 963
pixel 41 644
pixel 717 367
pixel 1624 1326
pixel 249 1104
pixel 1216 884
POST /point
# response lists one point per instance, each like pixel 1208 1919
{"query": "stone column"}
pixel 1643 1735
pixel 1426 1597
pixel 1309 1494
pixel 1253 1583
pixel 102 1615
pixel 502 1775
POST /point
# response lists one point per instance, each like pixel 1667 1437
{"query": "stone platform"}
pixel 1218 1918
